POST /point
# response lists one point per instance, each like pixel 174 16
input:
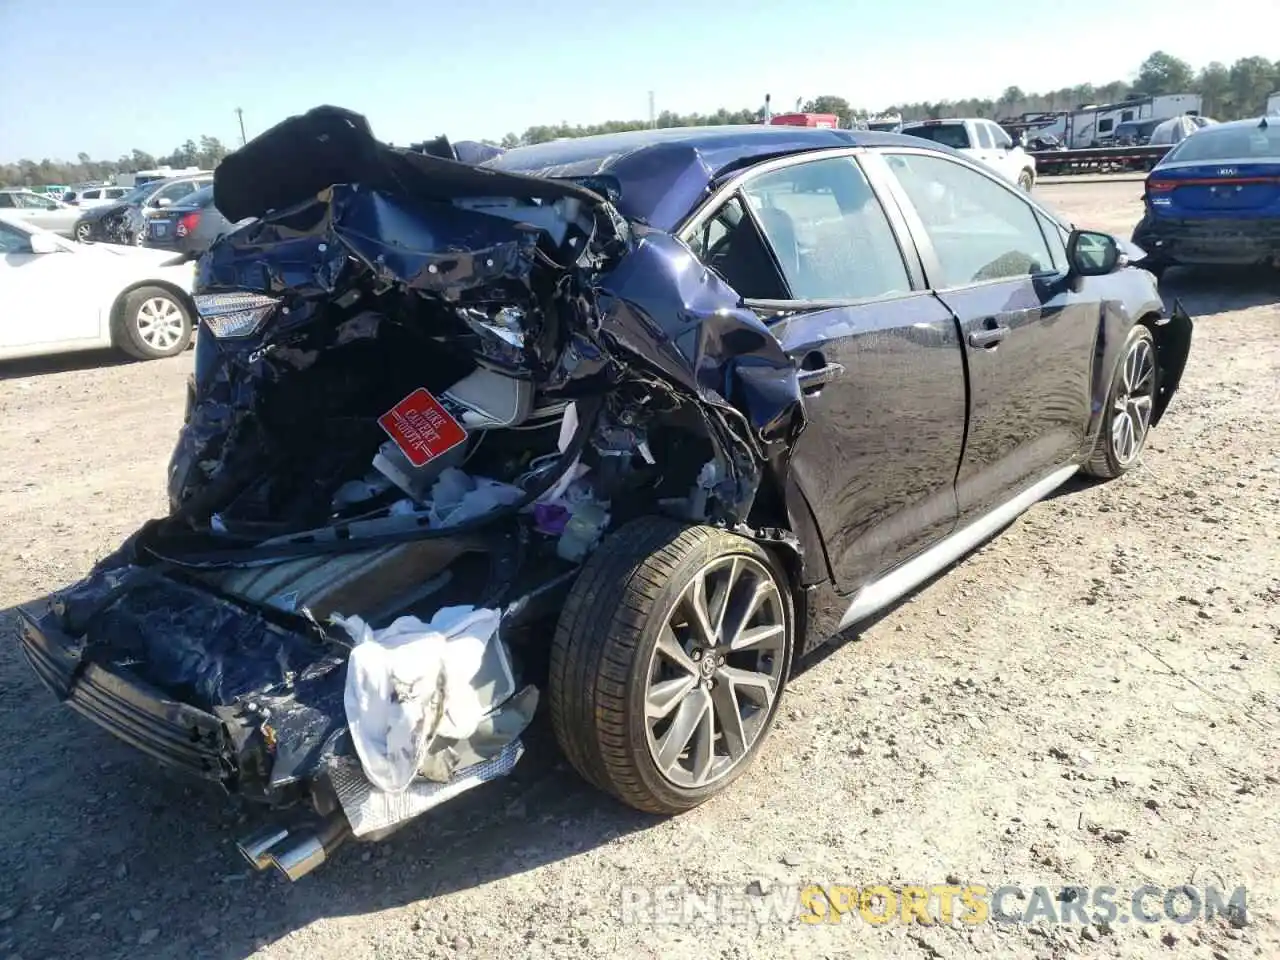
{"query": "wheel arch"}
pixel 782 522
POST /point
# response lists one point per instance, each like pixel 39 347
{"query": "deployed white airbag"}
pixel 413 684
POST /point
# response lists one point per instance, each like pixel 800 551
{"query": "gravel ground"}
pixel 1090 699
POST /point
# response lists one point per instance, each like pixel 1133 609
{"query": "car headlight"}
pixel 232 315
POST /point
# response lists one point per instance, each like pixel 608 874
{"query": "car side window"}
pixel 7 201
pixel 1002 140
pixel 13 241
pixel 828 231
pixel 984 136
pixel 729 242
pixel 980 229
pixel 91 195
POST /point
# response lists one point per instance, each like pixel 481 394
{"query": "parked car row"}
pixel 125 220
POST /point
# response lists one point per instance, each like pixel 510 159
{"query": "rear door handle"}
pixel 809 379
pixel 987 338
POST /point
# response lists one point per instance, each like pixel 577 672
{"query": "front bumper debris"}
pixel 1217 241
pixel 173 733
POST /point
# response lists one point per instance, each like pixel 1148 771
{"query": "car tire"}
pixel 83 233
pixel 1026 181
pixel 1126 420
pixel 624 652
pixel 151 323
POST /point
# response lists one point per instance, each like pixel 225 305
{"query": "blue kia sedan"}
pixel 1215 199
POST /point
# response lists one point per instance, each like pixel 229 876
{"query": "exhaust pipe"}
pixel 256 848
pixel 306 851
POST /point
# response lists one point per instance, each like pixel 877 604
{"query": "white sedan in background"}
pixel 57 295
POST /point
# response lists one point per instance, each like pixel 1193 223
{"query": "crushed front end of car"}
pixel 424 391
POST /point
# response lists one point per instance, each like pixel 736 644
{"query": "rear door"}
pixel 1029 333
pixel 809 244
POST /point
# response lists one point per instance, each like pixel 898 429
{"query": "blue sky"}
pixel 106 77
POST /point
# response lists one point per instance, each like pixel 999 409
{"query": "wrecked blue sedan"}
pixel 624 424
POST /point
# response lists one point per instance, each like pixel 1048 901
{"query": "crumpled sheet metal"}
pixel 272 686
pixel 370 810
pixel 657 303
pixel 195 644
pixel 302 155
pixel 436 248
pixel 634 301
pixel 661 305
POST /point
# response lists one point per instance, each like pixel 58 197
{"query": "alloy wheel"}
pixel 715 671
pixel 161 323
pixel 1131 409
pixel 84 233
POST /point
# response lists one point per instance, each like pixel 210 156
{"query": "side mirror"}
pixel 43 243
pixel 164 202
pixel 1092 254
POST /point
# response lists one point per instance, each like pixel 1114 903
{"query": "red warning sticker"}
pixel 422 428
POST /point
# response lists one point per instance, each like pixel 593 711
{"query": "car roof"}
pixel 662 175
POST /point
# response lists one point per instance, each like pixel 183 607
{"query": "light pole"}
pixel 240 117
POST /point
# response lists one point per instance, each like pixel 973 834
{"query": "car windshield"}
pixel 1221 143
pixel 141 193
pixel 947 134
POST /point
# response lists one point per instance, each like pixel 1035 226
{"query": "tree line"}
pixel 204 154
pixel 1229 92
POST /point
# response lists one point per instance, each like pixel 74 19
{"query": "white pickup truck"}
pixel 983 140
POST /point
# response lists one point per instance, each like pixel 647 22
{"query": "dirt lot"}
pixel 1093 698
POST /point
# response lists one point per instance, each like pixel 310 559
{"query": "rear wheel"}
pixel 151 323
pixel 84 232
pixel 1126 423
pixel 669 661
